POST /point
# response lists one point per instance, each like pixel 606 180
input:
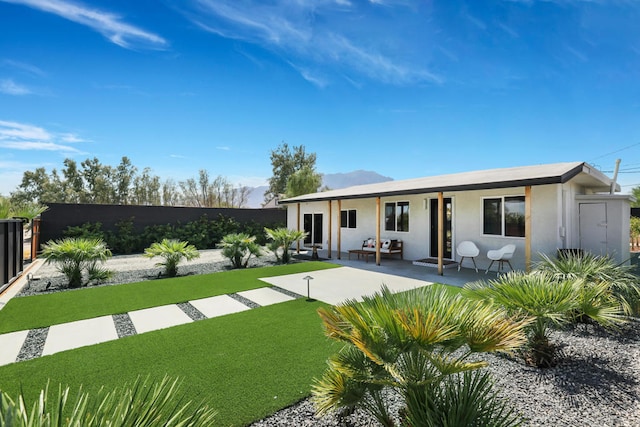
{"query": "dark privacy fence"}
pixel 61 215
pixel 11 239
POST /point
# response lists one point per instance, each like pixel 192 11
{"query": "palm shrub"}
pixel 238 248
pixel 417 343
pixel 144 404
pixel 606 285
pixel 281 240
pixel 537 297
pixel 72 256
pixel 173 251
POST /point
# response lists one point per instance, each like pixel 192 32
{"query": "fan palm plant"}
pixel 239 247
pixel 413 342
pixel 538 297
pixel 282 239
pixel 143 404
pixel 74 255
pixel 621 287
pixel 173 251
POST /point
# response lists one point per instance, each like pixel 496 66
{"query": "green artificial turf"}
pixel 245 365
pixel 45 310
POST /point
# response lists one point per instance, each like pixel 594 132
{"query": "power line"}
pixel 614 152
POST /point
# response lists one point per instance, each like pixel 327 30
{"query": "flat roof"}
pixel 556 173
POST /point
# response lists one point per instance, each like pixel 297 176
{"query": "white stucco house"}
pixel 539 209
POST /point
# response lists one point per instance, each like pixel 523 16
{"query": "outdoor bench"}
pixel 387 247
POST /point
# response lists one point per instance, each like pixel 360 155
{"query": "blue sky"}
pixel 404 88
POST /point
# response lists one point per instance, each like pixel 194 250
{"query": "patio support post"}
pixel 298 242
pixel 527 228
pixel 440 232
pixel 378 230
pixel 330 232
pixel 339 228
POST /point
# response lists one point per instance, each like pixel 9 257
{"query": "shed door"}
pixel 593 227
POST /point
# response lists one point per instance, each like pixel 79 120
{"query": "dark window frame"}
pixel 503 216
pixel 348 218
pixel 396 216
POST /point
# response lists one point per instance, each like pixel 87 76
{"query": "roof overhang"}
pixel 580 173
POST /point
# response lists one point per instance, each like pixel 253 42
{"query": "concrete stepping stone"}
pixel 265 296
pixel 10 345
pixel 80 333
pixel 218 305
pixel 154 318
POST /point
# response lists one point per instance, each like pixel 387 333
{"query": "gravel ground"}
pixel 597 382
pixel 136 268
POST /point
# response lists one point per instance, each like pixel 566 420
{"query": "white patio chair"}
pixel 467 249
pixel 502 255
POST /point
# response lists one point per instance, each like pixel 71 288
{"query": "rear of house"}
pixel 539 209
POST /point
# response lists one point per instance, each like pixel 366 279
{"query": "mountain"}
pixel 360 177
pixel 332 180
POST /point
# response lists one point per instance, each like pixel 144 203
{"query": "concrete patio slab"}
pixel 218 305
pixel 10 345
pixel 79 334
pixel 154 318
pixel 265 296
pixel 336 285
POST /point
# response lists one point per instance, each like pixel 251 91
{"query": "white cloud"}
pixel 22 66
pixel 21 136
pixel 224 148
pixel 9 87
pixel 108 24
pixel 38 145
pixel 327 36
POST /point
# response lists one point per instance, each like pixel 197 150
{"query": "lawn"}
pixel 245 365
pixel 46 310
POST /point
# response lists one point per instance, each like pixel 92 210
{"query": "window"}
pixel 396 216
pixel 503 216
pixel 348 218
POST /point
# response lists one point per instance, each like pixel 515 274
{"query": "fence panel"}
pixel 11 251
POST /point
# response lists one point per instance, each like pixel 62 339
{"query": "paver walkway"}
pixel 25 345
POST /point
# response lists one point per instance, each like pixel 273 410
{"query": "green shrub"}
pixel 124 240
pixel 88 230
pixel 144 404
pixel 412 342
pixel 72 256
pixel 238 248
pixel 173 251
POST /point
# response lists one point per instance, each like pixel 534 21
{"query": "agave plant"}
pixel 281 240
pixel 144 404
pixel 173 251
pixel 546 302
pixel 414 342
pixel 611 283
pixel 72 256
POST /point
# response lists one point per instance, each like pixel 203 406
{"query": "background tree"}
pixel 635 192
pixel 285 162
pixel 303 181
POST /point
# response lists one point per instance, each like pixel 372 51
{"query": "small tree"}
pixel 239 247
pixel 282 239
pixel 173 251
pixel 75 255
